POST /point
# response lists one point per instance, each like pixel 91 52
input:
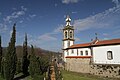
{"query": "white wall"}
pixel 79 52
pixel 100 54
pixel 71 43
pixel 65 44
pixel 65 54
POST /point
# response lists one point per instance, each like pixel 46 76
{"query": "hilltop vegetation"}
pixel 29 61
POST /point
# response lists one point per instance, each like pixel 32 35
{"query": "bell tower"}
pixel 68 36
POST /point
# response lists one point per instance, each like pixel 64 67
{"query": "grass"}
pixel 21 76
pixel 1 78
pixel 79 76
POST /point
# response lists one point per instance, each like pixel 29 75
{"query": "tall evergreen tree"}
pixel 34 64
pixel 18 66
pixel 0 55
pixel 25 61
pixel 10 57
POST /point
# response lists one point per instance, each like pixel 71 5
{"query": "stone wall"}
pixel 78 65
pixel 83 65
pixel 105 70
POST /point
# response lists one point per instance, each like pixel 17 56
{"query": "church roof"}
pixel 108 42
pixel 96 43
pixel 80 45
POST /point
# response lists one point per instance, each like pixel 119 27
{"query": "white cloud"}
pixel 116 2
pixel 3 28
pixel 58 29
pixel 32 16
pixel 69 1
pixel 56 4
pixel 74 12
pixel 77 39
pixel 21 21
pixel 23 8
pixel 47 37
pixel 105 34
pixel 105 19
pixel 15 15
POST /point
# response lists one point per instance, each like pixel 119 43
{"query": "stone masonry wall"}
pixel 83 65
pixel 78 65
pixel 105 70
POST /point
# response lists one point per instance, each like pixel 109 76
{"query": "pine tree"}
pixel 0 55
pixel 25 61
pixel 11 58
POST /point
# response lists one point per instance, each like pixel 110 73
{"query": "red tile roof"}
pixel 97 43
pixel 108 42
pixel 78 56
pixel 80 45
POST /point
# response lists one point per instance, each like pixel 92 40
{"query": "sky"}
pixel 43 21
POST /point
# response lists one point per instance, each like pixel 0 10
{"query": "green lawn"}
pixel 78 76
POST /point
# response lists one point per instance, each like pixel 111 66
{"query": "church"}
pixel 98 57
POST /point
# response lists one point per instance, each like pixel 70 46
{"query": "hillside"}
pixel 38 51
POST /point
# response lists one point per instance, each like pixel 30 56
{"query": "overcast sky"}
pixel 43 20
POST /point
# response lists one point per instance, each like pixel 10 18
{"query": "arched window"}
pixel 70 34
pixel 72 51
pixel 65 34
pixel 81 52
pixel 109 55
pixel 86 52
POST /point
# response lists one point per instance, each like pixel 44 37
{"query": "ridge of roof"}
pixel 96 42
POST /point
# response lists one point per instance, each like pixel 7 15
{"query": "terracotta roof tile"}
pixel 80 45
pixel 107 42
pixel 97 43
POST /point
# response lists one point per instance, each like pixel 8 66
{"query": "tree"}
pixel 34 64
pixel 10 57
pixel 0 55
pixel 44 64
pixel 18 66
pixel 25 61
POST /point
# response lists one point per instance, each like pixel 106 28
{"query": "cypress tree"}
pixel 33 64
pixel 0 55
pixel 18 66
pixel 25 61
pixel 10 57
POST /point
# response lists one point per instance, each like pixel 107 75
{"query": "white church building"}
pixel 80 57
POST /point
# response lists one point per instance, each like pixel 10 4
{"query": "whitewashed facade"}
pixel 99 51
pixel 101 54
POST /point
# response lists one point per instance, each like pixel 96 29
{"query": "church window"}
pixel 72 51
pixel 81 52
pixel 109 55
pixel 86 52
pixel 71 34
pixel 65 34
pixel 67 52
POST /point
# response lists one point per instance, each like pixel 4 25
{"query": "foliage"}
pixel 58 73
pixel 34 65
pixel 25 61
pixel 11 58
pixel 0 55
pixel 3 68
pixel 18 66
pixel 44 64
